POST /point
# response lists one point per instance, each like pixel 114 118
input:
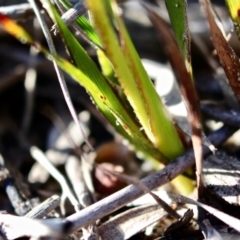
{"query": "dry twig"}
pixel 126 224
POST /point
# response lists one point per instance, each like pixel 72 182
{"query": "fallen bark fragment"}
pixel 126 224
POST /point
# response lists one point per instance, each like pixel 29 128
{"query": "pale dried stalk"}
pixel 130 222
pixel 39 156
pixel 75 175
pixel 44 208
pixel 73 13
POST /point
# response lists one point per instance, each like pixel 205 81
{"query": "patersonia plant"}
pixel 135 109
pixel 122 90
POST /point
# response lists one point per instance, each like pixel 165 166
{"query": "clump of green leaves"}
pixel 134 109
pixel 137 112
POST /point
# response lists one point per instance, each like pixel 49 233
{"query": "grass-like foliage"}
pixel 122 90
pixel 135 110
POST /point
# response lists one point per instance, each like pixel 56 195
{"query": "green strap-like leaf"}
pixel 136 84
pixel 89 76
pixel 160 124
pixel 106 67
pixel 130 130
pixel 91 34
pixel 103 95
pixel 234 10
pixel 177 10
